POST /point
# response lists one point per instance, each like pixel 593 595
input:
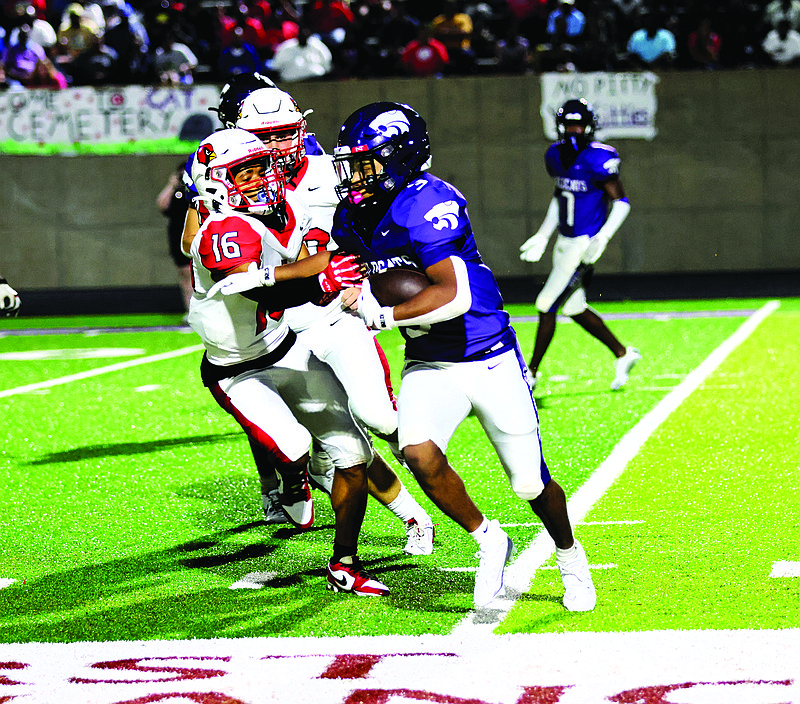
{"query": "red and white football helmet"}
pixel 233 172
pixel 273 115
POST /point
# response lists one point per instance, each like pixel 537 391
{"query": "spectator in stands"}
pixel 574 20
pixel 704 46
pixel 301 59
pixel 376 57
pixel 78 36
pixel 18 61
pixel 782 45
pixel 251 30
pixel 424 56
pixel 779 10
pixel 627 16
pixel 653 46
pixel 46 75
pixel 514 51
pixel 196 26
pixel 279 27
pixel 40 32
pixel 531 19
pixel 598 51
pixel 739 25
pixel 97 66
pixel 559 53
pixel 239 57
pixel 174 62
pixel 454 29
pixel 332 21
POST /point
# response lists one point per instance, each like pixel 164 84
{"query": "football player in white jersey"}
pixel 255 368
pixel 337 338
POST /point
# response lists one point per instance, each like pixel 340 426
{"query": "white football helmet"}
pixel 273 115
pixel 234 173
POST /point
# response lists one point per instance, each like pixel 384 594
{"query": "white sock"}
pixel 482 532
pixel 567 554
pixel 405 506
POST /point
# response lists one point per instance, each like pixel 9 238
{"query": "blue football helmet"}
pixel 576 112
pixel 381 148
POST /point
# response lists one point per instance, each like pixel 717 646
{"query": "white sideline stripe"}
pixel 6 582
pixel 101 370
pixel 535 524
pixel 785 568
pixel 520 572
pixel 604 566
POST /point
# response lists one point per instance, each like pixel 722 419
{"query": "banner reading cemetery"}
pixel 625 103
pixel 106 115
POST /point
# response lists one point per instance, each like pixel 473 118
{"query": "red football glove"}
pixel 343 270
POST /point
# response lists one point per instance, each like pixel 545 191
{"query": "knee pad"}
pixel 576 303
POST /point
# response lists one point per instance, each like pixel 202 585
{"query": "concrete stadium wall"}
pixel 718 189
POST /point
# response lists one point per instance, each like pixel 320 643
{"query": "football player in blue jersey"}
pixel 586 175
pixel 462 355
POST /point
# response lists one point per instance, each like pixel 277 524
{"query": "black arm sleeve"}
pixel 287 294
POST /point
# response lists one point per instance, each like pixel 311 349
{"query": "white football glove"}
pixel 9 299
pixel 244 281
pixel 533 248
pixel 376 316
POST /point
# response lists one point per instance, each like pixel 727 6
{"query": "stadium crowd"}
pixel 56 43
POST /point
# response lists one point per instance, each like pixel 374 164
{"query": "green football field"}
pixel 131 509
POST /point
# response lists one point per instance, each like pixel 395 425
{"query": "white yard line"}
pixel 519 574
pixel 101 370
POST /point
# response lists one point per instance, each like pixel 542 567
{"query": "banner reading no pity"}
pixel 625 103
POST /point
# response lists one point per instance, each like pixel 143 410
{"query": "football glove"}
pixel 376 316
pixel 342 271
pixel 9 299
pixel 533 248
pixel 244 281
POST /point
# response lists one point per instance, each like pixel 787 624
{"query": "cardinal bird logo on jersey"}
pixel 205 154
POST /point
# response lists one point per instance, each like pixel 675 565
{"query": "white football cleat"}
pixel 420 536
pixel 623 367
pixel 494 552
pixel 294 495
pixel 273 512
pixel 579 593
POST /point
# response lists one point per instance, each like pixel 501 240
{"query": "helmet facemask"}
pixel 286 144
pixel 274 117
pixel 576 112
pixel 362 179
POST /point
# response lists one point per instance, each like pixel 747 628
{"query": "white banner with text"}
pixel 625 103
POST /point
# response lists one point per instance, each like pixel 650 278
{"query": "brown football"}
pixel 396 286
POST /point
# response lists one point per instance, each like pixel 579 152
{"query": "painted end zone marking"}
pixel 785 568
pixel 519 574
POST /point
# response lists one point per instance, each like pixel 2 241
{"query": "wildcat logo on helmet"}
pixel 391 123
pixel 205 154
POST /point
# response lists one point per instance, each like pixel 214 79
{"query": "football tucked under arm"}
pixel 396 286
pixel 379 314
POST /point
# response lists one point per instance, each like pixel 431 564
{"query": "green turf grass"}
pixel 716 491
pixel 131 505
